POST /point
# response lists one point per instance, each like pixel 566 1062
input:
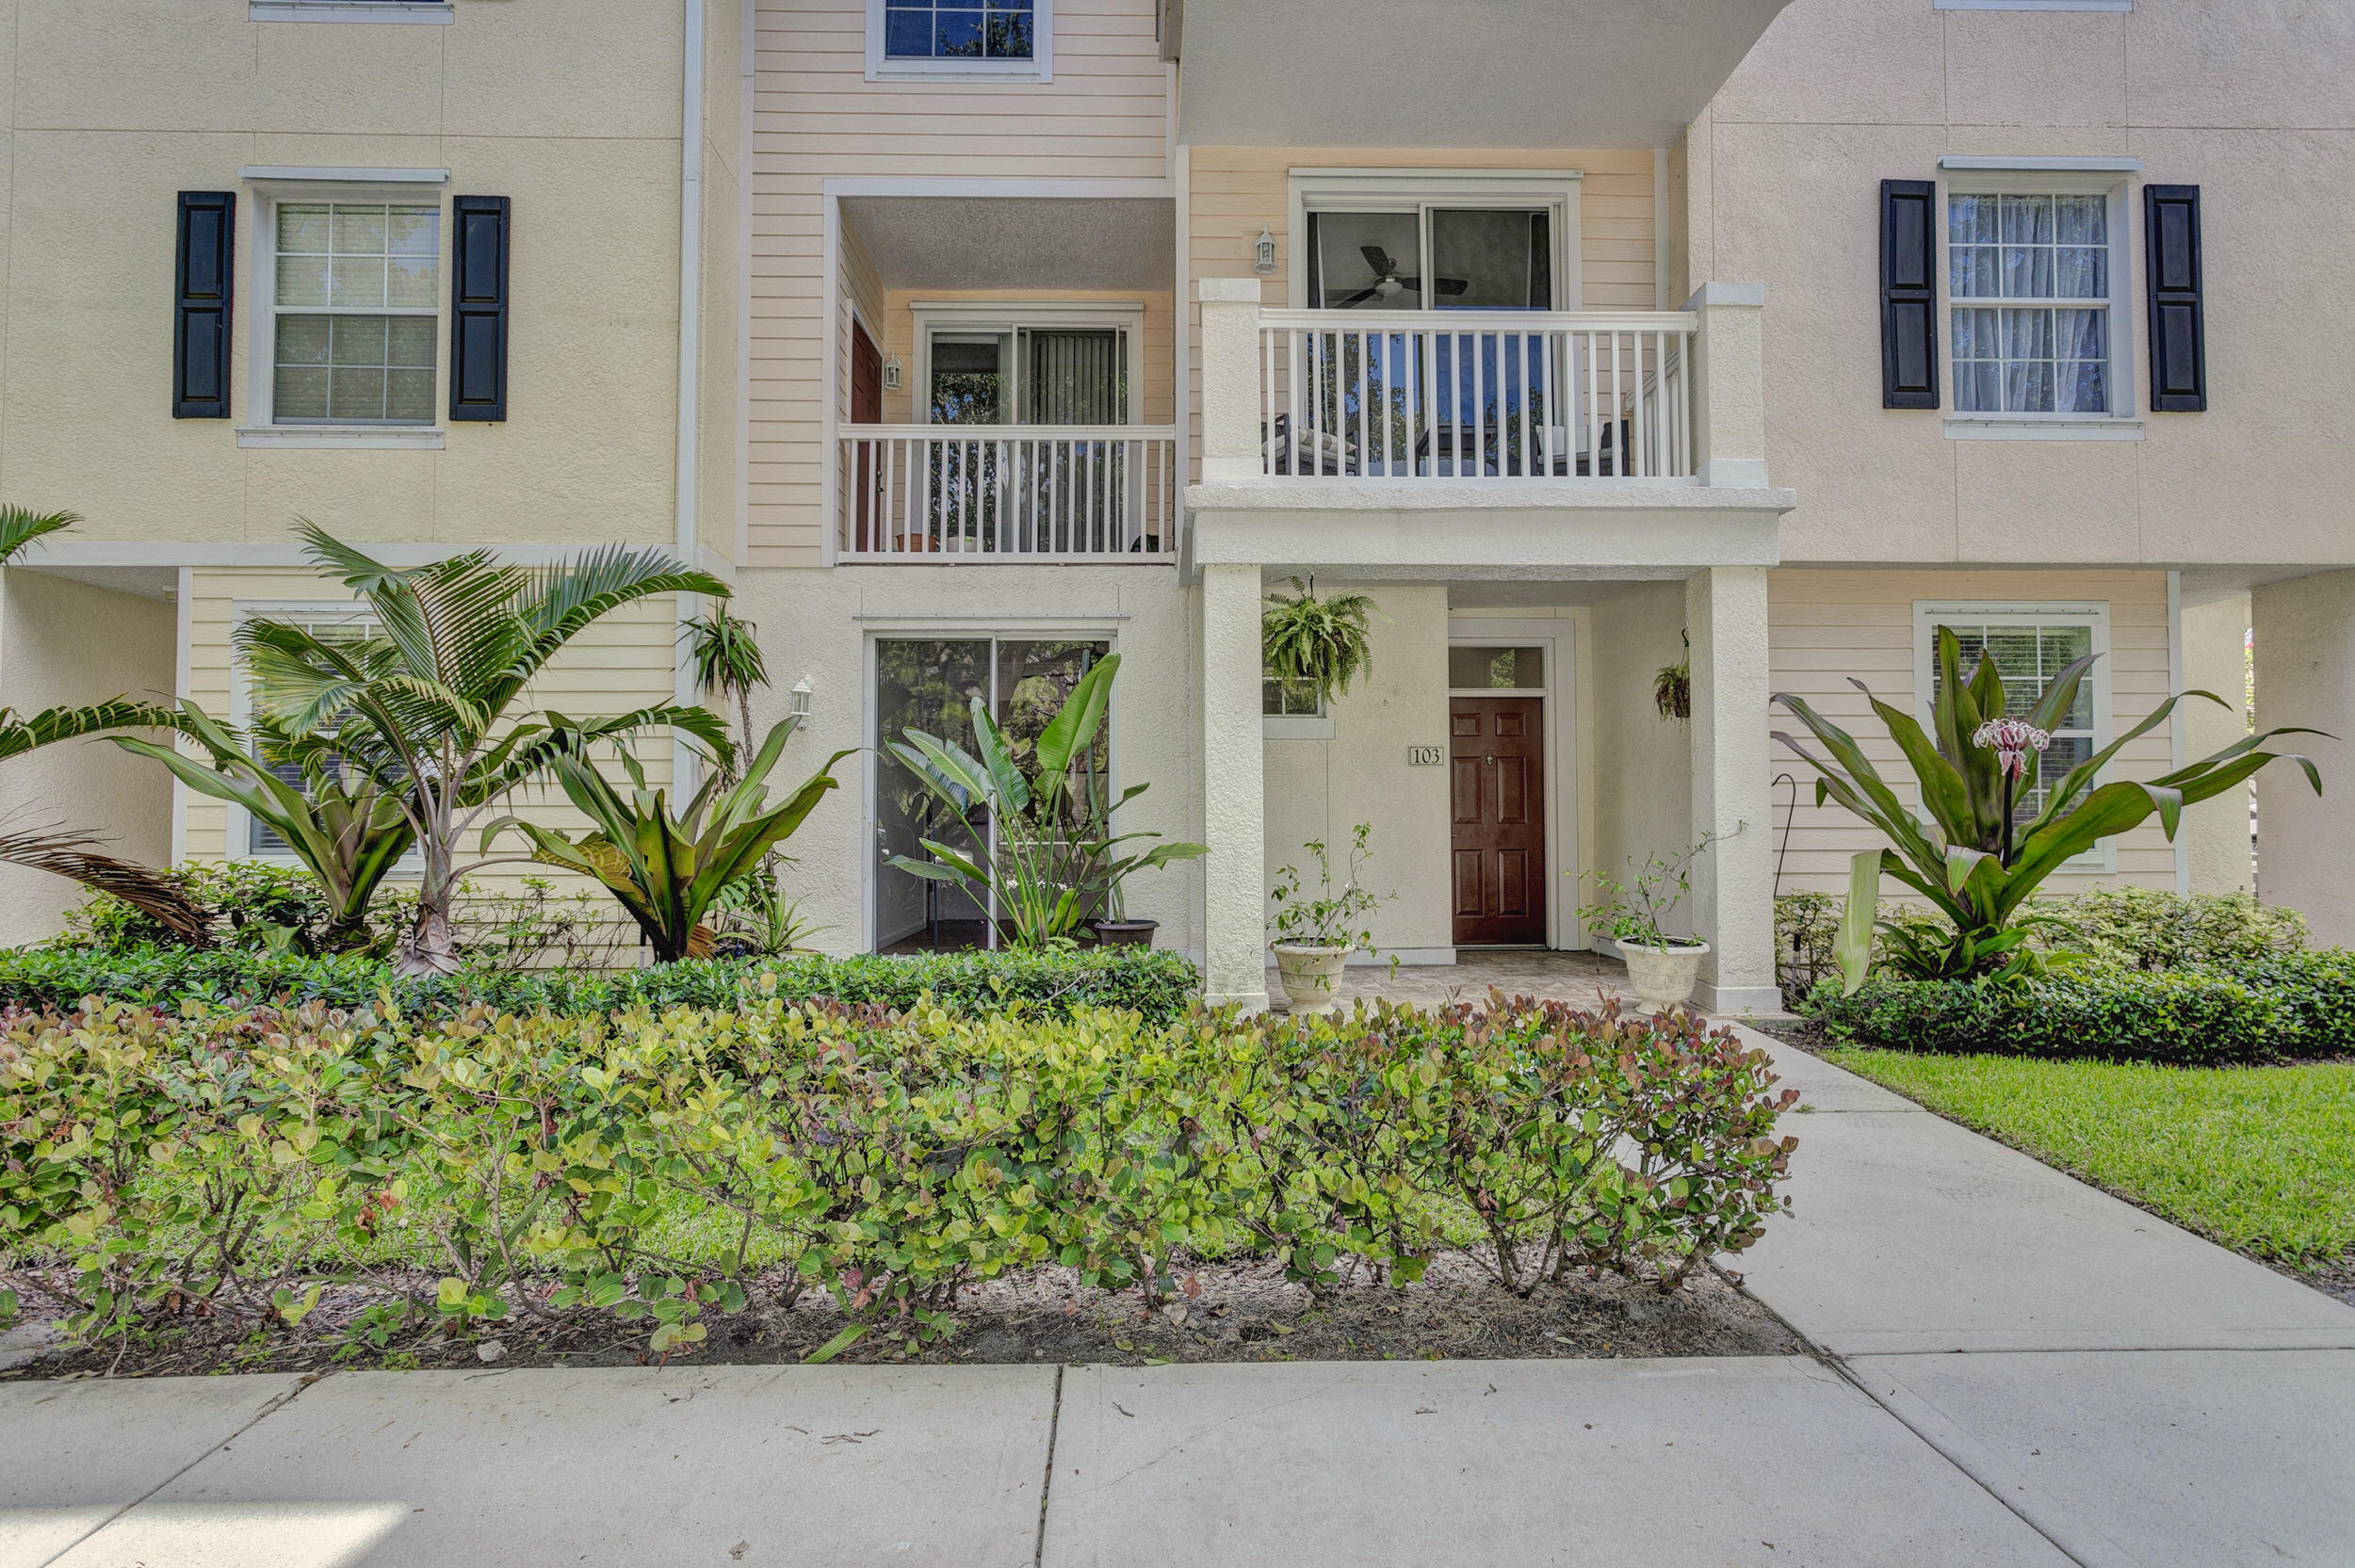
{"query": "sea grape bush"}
pixel 662 1167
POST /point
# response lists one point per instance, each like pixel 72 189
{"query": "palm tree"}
pixel 424 705
pixel 725 651
pixel 69 854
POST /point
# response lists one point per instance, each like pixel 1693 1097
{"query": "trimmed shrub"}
pixel 1157 983
pixel 2150 929
pixel 2201 1014
pixel 660 1168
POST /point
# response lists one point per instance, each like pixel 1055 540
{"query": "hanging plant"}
pixel 1672 689
pixel 1323 644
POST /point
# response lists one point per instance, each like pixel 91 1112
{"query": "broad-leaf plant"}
pixel 1966 851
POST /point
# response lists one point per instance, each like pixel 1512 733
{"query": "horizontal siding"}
pixel 1104 116
pixel 1828 627
pixel 622 662
pixel 1233 191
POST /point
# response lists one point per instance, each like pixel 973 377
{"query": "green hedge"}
pixel 1157 983
pixel 662 1168
pixel 2288 1005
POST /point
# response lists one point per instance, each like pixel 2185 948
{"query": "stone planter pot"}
pixel 1310 975
pixel 1125 934
pixel 1664 978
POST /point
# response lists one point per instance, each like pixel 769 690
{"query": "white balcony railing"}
pixel 1008 493
pixel 1452 394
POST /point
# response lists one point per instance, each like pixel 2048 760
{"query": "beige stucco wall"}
pixel 2305 646
pixel 65 643
pixel 1828 627
pixel 1642 763
pixel 819 623
pixel 1104 116
pixel 1779 182
pixel 2216 653
pixel 570 107
pixel 1321 789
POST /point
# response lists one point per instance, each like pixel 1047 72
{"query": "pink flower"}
pixel 2012 739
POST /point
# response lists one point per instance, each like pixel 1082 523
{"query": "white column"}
pixel 2305 642
pixel 2215 653
pixel 1230 381
pixel 1733 883
pixel 1729 383
pixel 1234 875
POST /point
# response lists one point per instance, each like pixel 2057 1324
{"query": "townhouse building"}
pixel 973 342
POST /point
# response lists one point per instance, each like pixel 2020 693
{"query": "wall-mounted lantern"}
pixel 891 374
pixel 1264 253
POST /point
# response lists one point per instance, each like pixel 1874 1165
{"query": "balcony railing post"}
pixel 1728 384
pixel 1230 379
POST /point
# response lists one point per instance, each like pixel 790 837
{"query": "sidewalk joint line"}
pixel 1047 1483
pixel 276 1404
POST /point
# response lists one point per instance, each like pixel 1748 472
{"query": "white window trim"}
pixel 238 846
pixel 2121 423
pixel 272 185
pixel 999 316
pixel 1040 67
pixel 1294 726
pixel 1391 189
pixel 351 10
pixel 1928 614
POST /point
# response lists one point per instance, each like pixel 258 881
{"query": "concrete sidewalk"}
pixel 2015 1370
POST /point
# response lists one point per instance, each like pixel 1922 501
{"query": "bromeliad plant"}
pixel 669 872
pixel 1039 845
pixel 1975 862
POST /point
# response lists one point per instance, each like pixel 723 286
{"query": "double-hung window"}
pixel 355 302
pixel 2029 280
pixel 2031 644
pixel 249 835
pixel 959 38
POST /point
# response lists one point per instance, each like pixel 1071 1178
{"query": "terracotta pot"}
pixel 1664 978
pixel 1124 933
pixel 1310 975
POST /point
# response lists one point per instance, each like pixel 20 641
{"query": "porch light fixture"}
pixel 1264 253
pixel 891 374
pixel 802 690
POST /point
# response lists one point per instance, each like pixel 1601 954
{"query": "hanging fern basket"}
pixel 1319 644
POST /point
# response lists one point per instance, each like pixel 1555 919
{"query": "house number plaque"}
pixel 1426 756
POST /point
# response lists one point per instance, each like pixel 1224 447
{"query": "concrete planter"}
pixel 1125 934
pixel 1310 975
pixel 1664 978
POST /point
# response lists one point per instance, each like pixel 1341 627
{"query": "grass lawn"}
pixel 2260 1158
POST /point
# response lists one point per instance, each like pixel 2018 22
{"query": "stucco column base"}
pixel 1733 883
pixel 1234 874
pixel 2305 646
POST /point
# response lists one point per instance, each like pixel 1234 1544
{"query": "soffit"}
pixel 1017 242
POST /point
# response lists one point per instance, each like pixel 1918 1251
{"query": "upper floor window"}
pixel 2029 280
pixel 954 37
pixel 356 304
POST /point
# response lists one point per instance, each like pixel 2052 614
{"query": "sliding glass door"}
pixel 930 683
pixel 1033 496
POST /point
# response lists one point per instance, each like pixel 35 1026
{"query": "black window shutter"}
pixel 478 316
pixel 2179 333
pixel 203 291
pixel 1909 294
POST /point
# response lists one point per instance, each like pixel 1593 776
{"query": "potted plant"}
pixel 1321 644
pixel 1315 935
pixel 1663 968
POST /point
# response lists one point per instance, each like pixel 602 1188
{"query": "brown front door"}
pixel 866 409
pixel 1496 755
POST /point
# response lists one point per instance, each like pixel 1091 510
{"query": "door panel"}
pixel 866 409
pixel 1497 767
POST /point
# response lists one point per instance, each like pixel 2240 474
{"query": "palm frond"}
pixel 21 525
pixel 74 856
pixel 20 735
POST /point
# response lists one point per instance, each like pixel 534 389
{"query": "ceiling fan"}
pixel 1388 285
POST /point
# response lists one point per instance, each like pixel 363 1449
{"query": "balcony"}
pixel 1444 444
pixel 933 494
pixel 1422 395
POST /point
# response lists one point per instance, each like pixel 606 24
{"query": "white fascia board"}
pixel 1101 189
pixel 265 173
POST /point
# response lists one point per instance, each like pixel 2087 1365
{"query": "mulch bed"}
pixel 1229 1311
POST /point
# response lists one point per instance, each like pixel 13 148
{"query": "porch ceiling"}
pixel 1017 242
pixel 1470 73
